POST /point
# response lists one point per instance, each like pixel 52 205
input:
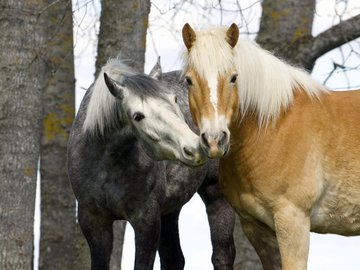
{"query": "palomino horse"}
pixel 289 148
pixel 113 177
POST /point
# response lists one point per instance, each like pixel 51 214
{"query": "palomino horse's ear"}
pixel 115 89
pixel 156 71
pixel 232 35
pixel 188 35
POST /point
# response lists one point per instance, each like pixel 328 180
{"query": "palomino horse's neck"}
pixel 246 128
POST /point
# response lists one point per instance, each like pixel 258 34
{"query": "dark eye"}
pixel 233 78
pixel 188 80
pixel 176 100
pixel 138 116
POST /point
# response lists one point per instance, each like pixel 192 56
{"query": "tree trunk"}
pixel 58 221
pixel 22 78
pixel 123 26
pixel 286 30
pixel 285 25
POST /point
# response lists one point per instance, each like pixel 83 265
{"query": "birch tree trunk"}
pixel 58 221
pixel 22 78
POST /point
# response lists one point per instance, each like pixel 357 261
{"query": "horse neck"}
pixel 267 84
pixel 247 132
pixel 124 144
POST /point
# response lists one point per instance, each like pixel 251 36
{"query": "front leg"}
pixel 263 239
pixel 221 220
pixel 292 227
pixel 147 227
pixel 98 232
pixel 171 256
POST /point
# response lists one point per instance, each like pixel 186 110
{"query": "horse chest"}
pixel 180 185
pixel 242 195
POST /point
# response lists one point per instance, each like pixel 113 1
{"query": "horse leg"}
pixel 221 219
pixel 171 256
pixel 292 227
pixel 264 241
pixel 99 235
pixel 147 227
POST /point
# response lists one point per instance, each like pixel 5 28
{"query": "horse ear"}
pixel 232 35
pixel 115 89
pixel 156 71
pixel 188 35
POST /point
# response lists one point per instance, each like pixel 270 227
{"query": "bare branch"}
pixel 335 36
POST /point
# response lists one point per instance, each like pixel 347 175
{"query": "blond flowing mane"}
pixel 101 107
pixel 265 83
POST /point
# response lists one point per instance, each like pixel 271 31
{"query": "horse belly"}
pixel 338 212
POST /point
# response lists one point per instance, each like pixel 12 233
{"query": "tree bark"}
pixel 22 78
pixel 123 26
pixel 286 30
pixel 58 221
pixel 284 24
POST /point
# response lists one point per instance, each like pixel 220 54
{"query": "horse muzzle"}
pixel 215 145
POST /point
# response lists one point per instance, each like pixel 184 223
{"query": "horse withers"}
pixel 288 147
pixel 125 123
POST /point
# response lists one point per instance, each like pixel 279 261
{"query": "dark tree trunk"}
pixel 285 24
pixel 22 77
pixel 123 26
pixel 286 30
pixel 58 221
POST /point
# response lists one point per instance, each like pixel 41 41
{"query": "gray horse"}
pixel 126 126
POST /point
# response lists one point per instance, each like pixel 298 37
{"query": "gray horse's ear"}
pixel 156 71
pixel 116 89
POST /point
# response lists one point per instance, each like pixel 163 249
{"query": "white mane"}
pixel 100 109
pixel 266 84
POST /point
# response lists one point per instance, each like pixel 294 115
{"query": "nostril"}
pixel 223 137
pixel 204 140
pixel 188 152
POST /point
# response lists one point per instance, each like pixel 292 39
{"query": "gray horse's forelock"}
pixel 101 107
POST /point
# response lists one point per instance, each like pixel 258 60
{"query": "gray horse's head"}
pixel 153 115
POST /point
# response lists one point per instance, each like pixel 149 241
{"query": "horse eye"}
pixel 233 78
pixel 188 80
pixel 138 116
pixel 176 99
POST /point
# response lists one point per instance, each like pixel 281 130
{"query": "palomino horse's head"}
pixel 211 77
pixel 152 114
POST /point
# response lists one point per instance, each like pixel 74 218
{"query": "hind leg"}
pixel 171 256
pixel 265 243
pixel 99 235
pixel 221 220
